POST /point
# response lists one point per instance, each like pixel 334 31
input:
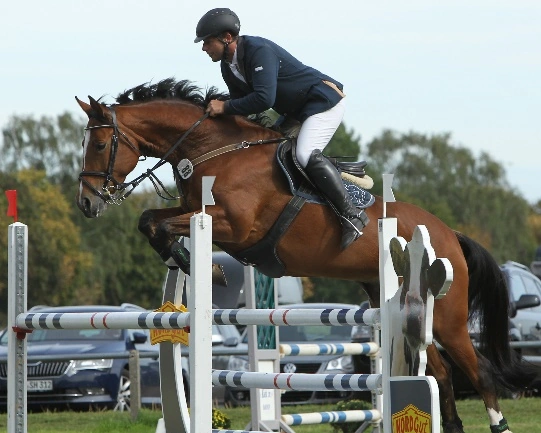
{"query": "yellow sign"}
pixel 411 420
pixel 172 335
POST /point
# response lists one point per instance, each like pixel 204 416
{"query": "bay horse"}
pixel 251 191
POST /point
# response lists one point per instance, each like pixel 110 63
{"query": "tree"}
pixel 344 143
pixel 56 264
pixel 468 194
pixel 125 266
pixel 51 144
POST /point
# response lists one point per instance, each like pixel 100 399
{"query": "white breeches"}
pixel 317 130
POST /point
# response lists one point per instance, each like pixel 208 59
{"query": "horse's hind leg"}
pixel 442 372
pixel 480 372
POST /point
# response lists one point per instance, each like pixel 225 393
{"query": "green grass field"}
pixel 523 415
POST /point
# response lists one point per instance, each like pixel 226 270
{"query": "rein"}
pixel 236 146
pixel 118 191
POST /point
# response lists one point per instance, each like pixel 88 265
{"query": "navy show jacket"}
pixel 275 79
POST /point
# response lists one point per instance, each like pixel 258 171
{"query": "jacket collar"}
pixel 240 55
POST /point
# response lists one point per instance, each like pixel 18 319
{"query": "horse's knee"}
pixel 146 223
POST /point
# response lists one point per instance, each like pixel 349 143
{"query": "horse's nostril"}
pixel 86 204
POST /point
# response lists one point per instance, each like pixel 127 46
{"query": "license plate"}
pixel 39 385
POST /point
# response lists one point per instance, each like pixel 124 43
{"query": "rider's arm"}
pixel 264 65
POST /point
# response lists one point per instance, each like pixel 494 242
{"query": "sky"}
pixel 471 68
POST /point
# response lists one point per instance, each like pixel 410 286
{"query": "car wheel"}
pixel 123 396
pixel 186 382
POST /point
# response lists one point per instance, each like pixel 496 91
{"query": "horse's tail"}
pixel 488 297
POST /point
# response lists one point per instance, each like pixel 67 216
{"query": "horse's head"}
pixel 108 157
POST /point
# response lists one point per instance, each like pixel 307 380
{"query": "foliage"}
pixel 50 144
pixel 219 420
pixel 344 144
pixel 470 195
pixel 332 290
pixel 125 266
pixel 349 427
pixel 55 260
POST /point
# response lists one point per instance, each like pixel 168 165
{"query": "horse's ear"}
pixel 98 110
pixel 86 107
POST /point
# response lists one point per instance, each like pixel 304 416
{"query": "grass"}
pixel 523 416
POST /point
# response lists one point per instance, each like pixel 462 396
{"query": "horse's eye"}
pixel 100 146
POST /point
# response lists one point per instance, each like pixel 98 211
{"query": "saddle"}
pixel 263 255
pixel 300 184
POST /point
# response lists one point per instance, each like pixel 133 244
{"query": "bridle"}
pixel 115 192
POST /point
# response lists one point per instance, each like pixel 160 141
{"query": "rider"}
pixel 262 75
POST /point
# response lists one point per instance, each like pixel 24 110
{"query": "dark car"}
pixel 303 364
pixel 524 323
pixel 99 380
pixel 93 378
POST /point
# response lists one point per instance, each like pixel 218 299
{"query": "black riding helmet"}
pixel 217 21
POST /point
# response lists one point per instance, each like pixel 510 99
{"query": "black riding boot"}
pixel 328 181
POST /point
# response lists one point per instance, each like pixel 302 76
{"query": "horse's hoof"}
pixel 452 427
pixel 218 276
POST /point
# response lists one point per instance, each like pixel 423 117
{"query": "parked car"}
pixel 302 364
pixel 524 322
pixel 101 381
pixel 289 289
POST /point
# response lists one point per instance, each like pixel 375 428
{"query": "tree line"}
pixel 73 260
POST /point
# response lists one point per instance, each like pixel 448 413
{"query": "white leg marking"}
pixel 85 147
pixel 495 418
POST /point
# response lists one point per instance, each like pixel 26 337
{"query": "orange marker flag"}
pixel 12 204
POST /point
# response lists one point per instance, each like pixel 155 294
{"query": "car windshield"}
pixel 315 333
pixel 69 335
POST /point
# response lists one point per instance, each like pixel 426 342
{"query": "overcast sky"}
pixel 468 67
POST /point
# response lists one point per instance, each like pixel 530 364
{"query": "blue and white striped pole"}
pixel 306 349
pixel 160 320
pixel 297 381
pixel 332 417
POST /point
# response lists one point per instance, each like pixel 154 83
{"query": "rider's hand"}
pixel 215 108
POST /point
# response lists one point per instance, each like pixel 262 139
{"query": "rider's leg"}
pixel 315 134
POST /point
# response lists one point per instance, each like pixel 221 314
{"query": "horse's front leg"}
pixel 164 226
pixel 151 225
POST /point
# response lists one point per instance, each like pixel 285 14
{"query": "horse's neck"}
pixel 159 126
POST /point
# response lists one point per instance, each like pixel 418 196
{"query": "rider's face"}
pixel 214 48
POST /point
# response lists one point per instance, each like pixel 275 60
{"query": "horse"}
pixel 250 193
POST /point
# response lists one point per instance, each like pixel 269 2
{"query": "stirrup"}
pixel 351 231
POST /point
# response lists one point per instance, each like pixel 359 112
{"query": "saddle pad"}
pixel 361 198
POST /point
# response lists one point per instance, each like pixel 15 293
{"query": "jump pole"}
pixel 17 302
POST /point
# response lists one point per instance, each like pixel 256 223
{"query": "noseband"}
pixel 114 192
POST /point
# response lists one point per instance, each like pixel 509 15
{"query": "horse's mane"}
pixel 184 90
pixel 170 88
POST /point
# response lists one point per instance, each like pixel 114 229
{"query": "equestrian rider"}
pixel 262 75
